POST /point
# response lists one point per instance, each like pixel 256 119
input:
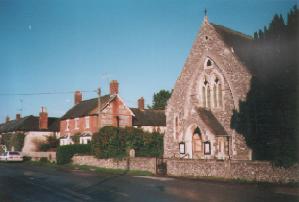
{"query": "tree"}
pixel 268 117
pixel 160 99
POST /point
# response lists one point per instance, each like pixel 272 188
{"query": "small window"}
pixel 207 148
pixel 207 37
pixel 76 123
pixel 67 127
pixel 182 147
pixel 87 122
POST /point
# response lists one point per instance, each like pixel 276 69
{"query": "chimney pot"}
pixel 141 103
pixel 77 97
pixel 114 87
pixel 18 117
pixel 43 118
pixel 7 119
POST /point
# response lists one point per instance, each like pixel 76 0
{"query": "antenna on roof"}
pixel 206 12
pixel 21 109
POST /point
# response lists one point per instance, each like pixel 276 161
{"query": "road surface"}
pixel 28 183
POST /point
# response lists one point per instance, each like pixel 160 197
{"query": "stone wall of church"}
pixel 185 95
pixel 245 170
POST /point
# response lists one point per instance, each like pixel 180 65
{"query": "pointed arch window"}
pixel 208 97
pixel 215 95
pixel 176 127
pixel 220 94
pixel 206 94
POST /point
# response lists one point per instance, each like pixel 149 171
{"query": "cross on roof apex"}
pixel 206 16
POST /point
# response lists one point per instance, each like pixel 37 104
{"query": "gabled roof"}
pixel 148 117
pixel 86 106
pixel 28 123
pixel 241 43
pixel 211 122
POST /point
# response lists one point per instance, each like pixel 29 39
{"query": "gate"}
pixel 161 167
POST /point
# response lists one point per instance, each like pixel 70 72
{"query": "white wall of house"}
pixel 32 139
pixel 151 129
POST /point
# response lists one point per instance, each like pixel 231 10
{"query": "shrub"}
pixel 112 142
pixel 53 141
pixel 153 145
pixel 44 147
pixel 44 160
pixel 65 153
pixel 109 142
pixel 76 138
pixel 27 158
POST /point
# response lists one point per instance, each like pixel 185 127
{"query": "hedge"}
pixel 113 142
pixel 65 153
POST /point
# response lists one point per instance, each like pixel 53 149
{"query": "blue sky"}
pixel 68 45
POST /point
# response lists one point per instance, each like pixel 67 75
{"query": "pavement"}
pixel 31 183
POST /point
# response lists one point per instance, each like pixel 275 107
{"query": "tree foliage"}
pixel 13 140
pixel 160 99
pixel 76 138
pixel 113 142
pixel 52 142
pixel 268 118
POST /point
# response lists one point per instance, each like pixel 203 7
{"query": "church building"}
pixel 214 79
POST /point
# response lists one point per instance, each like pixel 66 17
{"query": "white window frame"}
pixel 87 122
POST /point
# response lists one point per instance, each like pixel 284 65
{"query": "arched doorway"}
pixel 197 143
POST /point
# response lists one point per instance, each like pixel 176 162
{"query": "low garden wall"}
pixel 36 156
pixel 137 163
pixel 246 170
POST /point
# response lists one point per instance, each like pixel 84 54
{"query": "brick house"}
pixel 86 117
pixel 35 128
pixel 215 78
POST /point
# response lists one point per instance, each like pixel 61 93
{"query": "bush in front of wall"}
pixel 113 142
pixel 109 142
pixel 44 147
pixel 76 138
pixel 65 153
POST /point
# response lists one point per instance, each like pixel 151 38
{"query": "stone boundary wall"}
pixel 137 163
pixel 36 156
pixel 247 170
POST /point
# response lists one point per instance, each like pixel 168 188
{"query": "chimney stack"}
pixel 43 119
pixel 141 103
pixel 113 87
pixel 7 119
pixel 18 117
pixel 77 97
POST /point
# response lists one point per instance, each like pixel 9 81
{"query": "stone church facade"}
pixel 215 78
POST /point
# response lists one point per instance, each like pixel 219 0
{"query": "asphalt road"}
pixel 23 182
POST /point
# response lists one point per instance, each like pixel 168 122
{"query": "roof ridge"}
pixel 232 31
